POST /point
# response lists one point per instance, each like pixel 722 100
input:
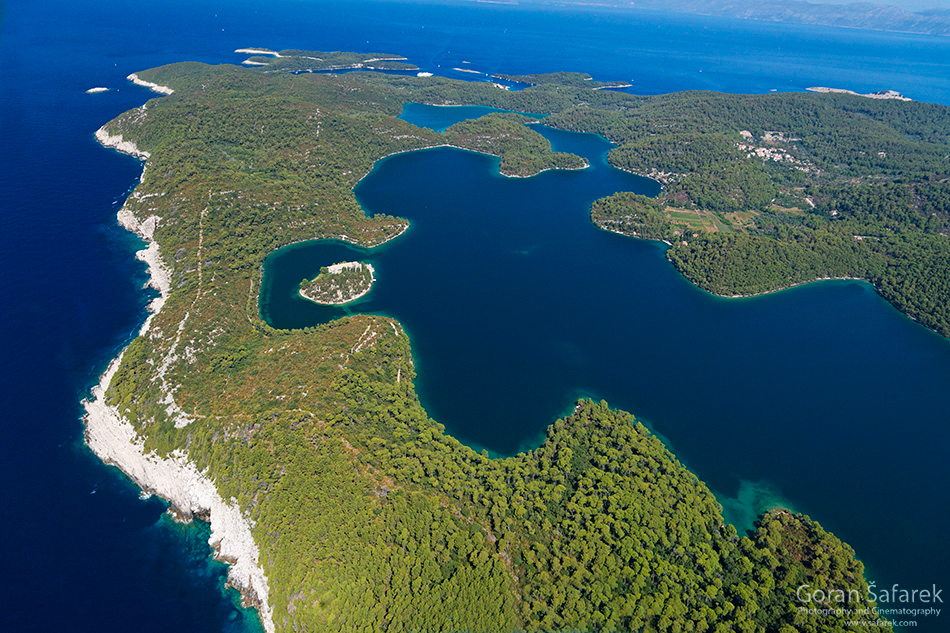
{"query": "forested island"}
pixel 339 284
pixel 298 61
pixel 364 513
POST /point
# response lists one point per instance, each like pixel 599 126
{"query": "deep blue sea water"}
pixel 83 553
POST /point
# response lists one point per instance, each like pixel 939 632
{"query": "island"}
pixel 339 284
pixel 340 503
pixel 296 61
pixel 880 94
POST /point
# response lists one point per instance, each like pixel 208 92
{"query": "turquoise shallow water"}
pixel 823 397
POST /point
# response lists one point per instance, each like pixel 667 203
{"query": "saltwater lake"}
pixel 516 304
pixel 823 396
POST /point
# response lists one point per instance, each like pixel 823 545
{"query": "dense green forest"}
pixel 523 151
pixel 632 214
pixel 561 79
pixel 369 517
pixel 796 188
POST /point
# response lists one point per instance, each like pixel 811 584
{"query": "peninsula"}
pixel 339 284
pixel 154 87
pixel 341 503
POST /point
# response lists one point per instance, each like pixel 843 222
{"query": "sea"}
pixel 822 398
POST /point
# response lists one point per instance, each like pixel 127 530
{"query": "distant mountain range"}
pixel 857 15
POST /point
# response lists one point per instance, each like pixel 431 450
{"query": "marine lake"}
pixel 823 398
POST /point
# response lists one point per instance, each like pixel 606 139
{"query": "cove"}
pixel 516 305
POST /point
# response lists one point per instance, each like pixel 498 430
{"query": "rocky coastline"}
pixel 175 478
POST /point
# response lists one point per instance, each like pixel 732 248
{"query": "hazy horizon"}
pixel 907 5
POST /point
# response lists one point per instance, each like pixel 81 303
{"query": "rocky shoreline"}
pixel 116 142
pixel 340 296
pixel 174 478
pixel 165 90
